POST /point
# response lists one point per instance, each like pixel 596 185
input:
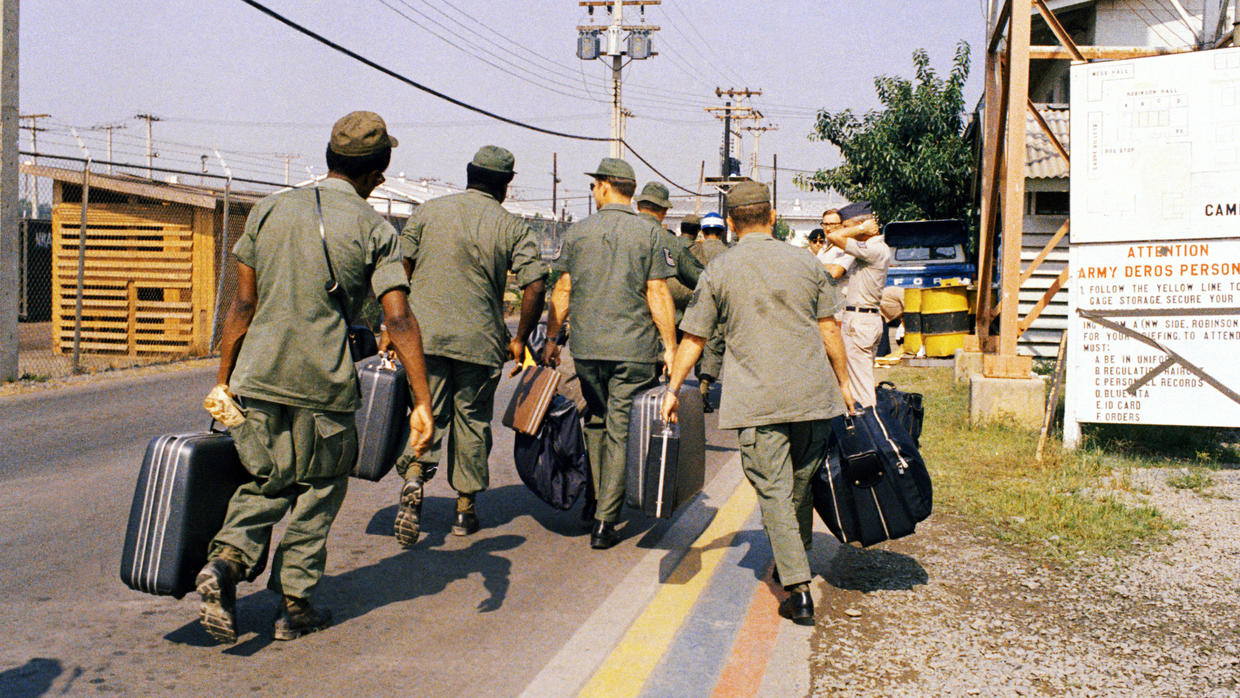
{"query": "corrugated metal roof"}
pixel 1042 161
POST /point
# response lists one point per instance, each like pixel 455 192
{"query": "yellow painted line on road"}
pixel 626 669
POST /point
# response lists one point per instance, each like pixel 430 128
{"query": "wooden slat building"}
pixel 152 262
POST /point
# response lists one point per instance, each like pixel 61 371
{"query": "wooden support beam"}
pixel 1046 129
pixel 992 183
pixel 1057 29
pixel 1100 53
pixel 996 32
pixel 1046 251
pixel 1014 184
pixel 1036 311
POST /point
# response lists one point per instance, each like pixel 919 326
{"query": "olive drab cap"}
pixel 692 219
pixel 495 159
pixel 747 193
pixel 614 167
pixel 655 194
pixel 360 133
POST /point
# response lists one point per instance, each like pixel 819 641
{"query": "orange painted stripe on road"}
pixel 742 675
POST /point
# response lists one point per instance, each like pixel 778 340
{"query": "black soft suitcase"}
pixel 554 464
pixel 178 506
pixel 674 455
pixel 903 408
pixel 383 419
pixel 874 485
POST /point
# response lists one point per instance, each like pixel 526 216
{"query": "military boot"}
pixel 466 516
pixel 296 617
pixel 217 587
pixel 799 606
pixel 407 527
pixel 704 385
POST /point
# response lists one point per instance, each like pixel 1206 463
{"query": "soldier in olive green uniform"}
pixel 614 265
pixel 284 353
pixel 460 248
pixel 689 229
pixel 652 204
pixel 706 250
pixel 765 293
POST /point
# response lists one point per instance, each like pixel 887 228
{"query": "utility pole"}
pixel 727 113
pixel 150 150
pixel 615 41
pixel 32 189
pixel 10 235
pixel 109 128
pixel 555 181
pixel 288 158
pixel 775 181
pixel 757 132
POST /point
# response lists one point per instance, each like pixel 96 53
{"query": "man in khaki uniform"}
pixel 460 249
pixel 764 293
pixel 613 268
pixel 706 250
pixel 862 239
pixel 652 204
pixel 285 355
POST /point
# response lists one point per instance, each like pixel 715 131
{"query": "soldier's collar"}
pixel 337 184
pixel 487 194
pixel 618 207
pixel 752 238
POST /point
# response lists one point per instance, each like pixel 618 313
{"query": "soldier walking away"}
pixel 690 226
pixel 862 239
pixel 285 355
pixel 652 205
pixel 710 247
pixel 613 268
pixel 459 249
pixel 763 293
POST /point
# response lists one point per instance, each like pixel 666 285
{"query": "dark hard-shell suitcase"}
pixel 383 419
pixel 874 485
pixel 178 506
pixel 555 464
pixel 901 408
pixel 676 457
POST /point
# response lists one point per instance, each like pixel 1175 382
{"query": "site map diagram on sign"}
pixel 1156 147
pixel 1154 294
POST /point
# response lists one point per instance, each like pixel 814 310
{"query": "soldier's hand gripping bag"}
pixel 383 419
pixel 554 464
pixel 656 454
pixel 874 485
pixel 182 495
pixel 901 408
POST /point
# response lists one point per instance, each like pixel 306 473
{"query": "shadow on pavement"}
pixel 34 678
pixel 864 569
pixel 756 558
pixel 496 508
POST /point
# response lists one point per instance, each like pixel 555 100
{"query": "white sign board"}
pixel 1154 294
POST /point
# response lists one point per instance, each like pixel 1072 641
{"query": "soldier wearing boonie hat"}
pixel 765 293
pixel 652 204
pixel 614 267
pixel 460 249
pixel 284 354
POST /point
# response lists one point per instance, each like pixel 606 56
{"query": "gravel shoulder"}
pixel 946 612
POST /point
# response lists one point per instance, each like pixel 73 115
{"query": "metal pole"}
pixel 555 179
pixel 150 153
pixel 220 271
pixel 81 270
pixel 775 180
pixel 9 216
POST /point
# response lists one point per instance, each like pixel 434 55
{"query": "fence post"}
pixel 9 341
pixel 81 270
pixel 219 281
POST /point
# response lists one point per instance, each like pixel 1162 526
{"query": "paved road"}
pixel 482 615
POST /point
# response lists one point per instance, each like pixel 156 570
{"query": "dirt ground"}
pixel 947 612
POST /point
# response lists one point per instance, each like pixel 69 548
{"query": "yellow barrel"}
pixel 944 319
pixel 912 320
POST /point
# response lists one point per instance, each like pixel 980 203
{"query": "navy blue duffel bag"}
pixel 554 464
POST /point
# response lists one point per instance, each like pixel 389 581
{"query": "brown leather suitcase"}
pixel 531 399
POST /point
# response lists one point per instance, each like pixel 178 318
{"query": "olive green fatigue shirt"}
pixel 610 256
pixel 706 250
pixel 688 268
pixel 868 275
pixel 462 247
pixel 768 297
pixel 296 350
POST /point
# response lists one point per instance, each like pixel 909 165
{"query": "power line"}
pixel 451 100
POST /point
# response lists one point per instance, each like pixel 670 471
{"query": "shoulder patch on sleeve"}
pixel 667 257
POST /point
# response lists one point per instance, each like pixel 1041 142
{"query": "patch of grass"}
pixel 34 377
pixel 1156 445
pixel 1195 479
pixel 1071 503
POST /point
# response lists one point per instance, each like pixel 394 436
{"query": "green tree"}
pixel 909 159
pixel 782 230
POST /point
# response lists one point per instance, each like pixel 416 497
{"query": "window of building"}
pixel 1051 203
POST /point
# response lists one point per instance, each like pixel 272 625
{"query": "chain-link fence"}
pixel 121 266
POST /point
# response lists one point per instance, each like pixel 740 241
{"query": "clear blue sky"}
pixel 222 74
